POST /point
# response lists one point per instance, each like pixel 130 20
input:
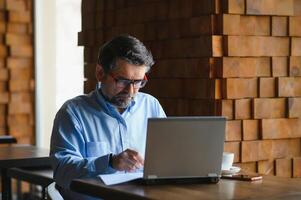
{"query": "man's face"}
pixel 117 94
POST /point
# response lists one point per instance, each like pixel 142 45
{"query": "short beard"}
pixel 121 100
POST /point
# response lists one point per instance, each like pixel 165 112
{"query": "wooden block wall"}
pixel 3 73
pixel 16 70
pixel 266 93
pixel 174 31
pixel 237 58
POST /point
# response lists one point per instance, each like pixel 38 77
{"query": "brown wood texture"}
pixel 247 167
pixel 270 7
pixel 259 46
pixel 250 129
pixel 295 66
pixel 269 149
pixel 182 68
pixel 233 6
pixel 224 107
pixel 233 130
pixel 289 86
pixel 269 188
pixel 233 67
pixel 266 167
pixel 261 150
pixel 279 66
pixel 246 25
pixel 295 46
pixel 235 88
pixel 19 39
pixel 294 26
pixel 297 167
pixel 17 156
pixel 233 147
pixel 242 109
pixel 269 108
pixel 294 107
pixel 267 87
pixel 280 128
pixel 237 58
pixel 279 26
pixel 284 167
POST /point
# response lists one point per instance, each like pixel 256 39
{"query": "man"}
pixel 105 131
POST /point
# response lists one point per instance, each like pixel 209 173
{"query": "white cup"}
pixel 228 159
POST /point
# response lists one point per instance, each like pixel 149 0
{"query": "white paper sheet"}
pixel 112 179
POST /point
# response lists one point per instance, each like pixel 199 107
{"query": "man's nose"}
pixel 130 88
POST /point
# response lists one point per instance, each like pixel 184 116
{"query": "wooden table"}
pixel 269 188
pixel 19 156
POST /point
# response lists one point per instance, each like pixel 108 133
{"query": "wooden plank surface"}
pixel 236 88
pixel 294 107
pixel 269 188
pixel 270 7
pixel 267 87
pixel 234 67
pixel 297 167
pixel 295 66
pixel 289 86
pixel 279 26
pixel 269 108
pixel 233 130
pixel 283 167
pixel 280 128
pixel 242 109
pixel 246 25
pixel 258 46
pixel 250 129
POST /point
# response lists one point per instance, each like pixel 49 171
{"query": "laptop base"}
pixel 200 180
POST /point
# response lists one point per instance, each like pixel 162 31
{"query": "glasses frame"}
pixel 123 82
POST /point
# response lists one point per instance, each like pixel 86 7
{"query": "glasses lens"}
pixel 122 83
pixel 142 83
pixel 125 83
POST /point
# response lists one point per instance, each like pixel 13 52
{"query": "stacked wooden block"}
pixel 179 36
pixel 3 73
pixel 261 81
pixel 236 58
pixel 17 53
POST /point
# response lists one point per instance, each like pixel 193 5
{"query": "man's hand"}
pixel 128 160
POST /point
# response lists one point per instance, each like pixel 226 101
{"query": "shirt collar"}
pixel 109 108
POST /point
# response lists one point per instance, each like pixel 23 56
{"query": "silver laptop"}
pixel 184 149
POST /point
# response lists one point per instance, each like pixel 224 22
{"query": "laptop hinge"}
pixel 152 176
pixel 212 175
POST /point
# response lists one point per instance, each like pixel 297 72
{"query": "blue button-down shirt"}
pixel 87 129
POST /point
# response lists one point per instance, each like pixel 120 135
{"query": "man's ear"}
pixel 99 73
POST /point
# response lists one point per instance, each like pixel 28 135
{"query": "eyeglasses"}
pixel 122 82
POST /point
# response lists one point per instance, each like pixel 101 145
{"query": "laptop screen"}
pixel 184 147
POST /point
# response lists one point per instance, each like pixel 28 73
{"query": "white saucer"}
pixel 232 170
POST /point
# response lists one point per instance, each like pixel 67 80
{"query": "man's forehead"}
pixel 122 62
pixel 124 67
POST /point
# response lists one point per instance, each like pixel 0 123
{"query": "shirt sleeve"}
pixel 68 152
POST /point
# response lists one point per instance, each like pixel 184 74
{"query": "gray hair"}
pixel 127 48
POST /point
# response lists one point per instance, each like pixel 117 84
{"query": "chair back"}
pixel 53 193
